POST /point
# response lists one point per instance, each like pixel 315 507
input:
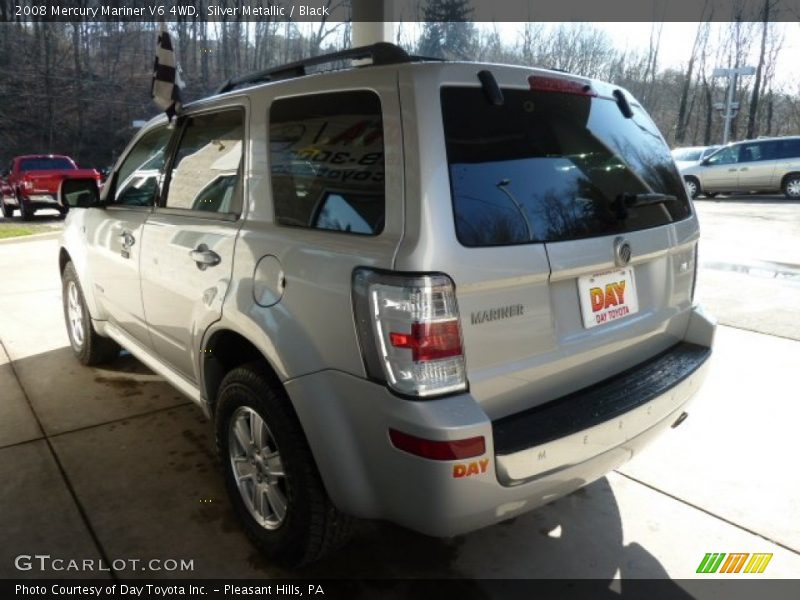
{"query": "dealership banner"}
pixel 392 10
pixel 386 589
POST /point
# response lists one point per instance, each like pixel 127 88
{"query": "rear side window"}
pixel 686 154
pixel 327 162
pixel 45 164
pixel 758 151
pixel 548 166
pixel 789 148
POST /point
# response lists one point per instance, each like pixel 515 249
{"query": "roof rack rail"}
pixel 382 53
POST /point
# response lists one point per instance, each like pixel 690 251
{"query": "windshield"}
pixel 548 166
pixel 686 154
pixel 45 164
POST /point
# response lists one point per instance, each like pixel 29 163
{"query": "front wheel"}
pixel 791 187
pixel 25 209
pixel 692 187
pixel 270 473
pixel 88 346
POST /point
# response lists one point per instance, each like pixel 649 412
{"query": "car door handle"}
pixel 743 169
pixel 204 257
pixel 731 169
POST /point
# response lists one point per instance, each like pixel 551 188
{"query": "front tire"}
pixel 89 347
pixel 25 209
pixel 270 473
pixel 692 187
pixel 791 187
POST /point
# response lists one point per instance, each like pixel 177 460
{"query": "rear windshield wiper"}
pixel 626 201
pixel 629 200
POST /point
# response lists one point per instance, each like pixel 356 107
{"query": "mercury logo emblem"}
pixel 622 252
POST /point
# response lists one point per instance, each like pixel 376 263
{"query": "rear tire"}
pixel 89 347
pixel 692 187
pixel 270 473
pixel 791 187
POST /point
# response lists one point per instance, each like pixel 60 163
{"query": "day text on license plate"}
pixel 607 296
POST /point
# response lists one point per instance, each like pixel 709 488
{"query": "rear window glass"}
pixel 327 164
pixel 686 154
pixel 45 164
pixel 789 148
pixel 546 167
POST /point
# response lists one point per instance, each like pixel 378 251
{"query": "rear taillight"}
pixel 27 184
pixel 409 331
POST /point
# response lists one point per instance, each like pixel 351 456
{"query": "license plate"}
pixel 607 296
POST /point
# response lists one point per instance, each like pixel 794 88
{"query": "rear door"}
pixel 114 232
pixel 188 241
pixel 562 278
pixel 757 163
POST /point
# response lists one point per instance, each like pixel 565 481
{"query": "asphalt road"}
pixel 113 464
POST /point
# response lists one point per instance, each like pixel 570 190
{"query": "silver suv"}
pixel 440 294
pixel 763 165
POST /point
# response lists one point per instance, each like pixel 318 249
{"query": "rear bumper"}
pixel 531 458
pixel 597 419
pixel 37 200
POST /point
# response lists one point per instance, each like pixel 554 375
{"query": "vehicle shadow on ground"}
pixel 142 464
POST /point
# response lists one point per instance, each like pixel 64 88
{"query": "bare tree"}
pixel 751 117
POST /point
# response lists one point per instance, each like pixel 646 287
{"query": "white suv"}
pixel 440 294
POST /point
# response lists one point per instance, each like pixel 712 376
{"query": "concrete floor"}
pixel 114 464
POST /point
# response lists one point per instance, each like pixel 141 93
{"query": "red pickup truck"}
pixel 32 181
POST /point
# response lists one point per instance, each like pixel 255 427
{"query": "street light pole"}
pixel 731 108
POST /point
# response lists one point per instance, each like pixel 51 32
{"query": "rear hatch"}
pixel 574 238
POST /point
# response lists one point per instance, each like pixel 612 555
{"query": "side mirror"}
pixel 705 162
pixel 79 193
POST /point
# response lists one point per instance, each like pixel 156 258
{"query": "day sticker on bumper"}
pixel 607 297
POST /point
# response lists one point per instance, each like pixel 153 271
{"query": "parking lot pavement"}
pixel 126 470
pixel 750 262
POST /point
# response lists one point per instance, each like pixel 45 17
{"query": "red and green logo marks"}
pixel 742 562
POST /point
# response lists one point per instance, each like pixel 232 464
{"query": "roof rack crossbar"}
pixel 382 53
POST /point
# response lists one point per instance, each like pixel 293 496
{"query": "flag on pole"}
pixel 167 84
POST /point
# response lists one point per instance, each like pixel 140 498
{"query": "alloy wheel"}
pixel 257 467
pixel 75 314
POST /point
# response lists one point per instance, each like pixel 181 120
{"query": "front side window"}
pixel 327 162
pixel 727 156
pixel 138 179
pixel 206 171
